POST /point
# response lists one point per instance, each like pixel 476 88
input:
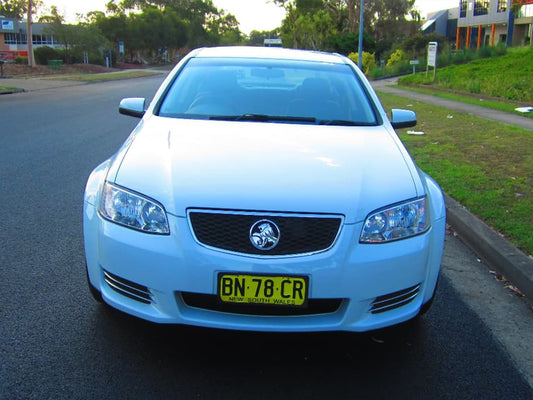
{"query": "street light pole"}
pixel 361 19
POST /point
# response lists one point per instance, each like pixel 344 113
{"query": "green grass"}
pixel 108 76
pixel 506 106
pixel 7 88
pixel 507 77
pixel 486 166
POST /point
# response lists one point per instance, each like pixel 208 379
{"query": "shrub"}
pixel 369 62
pixel 397 57
pixel 485 52
pixel 45 53
pixel 21 60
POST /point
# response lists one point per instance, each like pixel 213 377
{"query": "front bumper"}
pixel 167 271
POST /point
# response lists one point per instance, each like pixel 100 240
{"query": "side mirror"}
pixel 402 118
pixel 133 107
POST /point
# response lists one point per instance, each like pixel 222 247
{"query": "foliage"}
pixel 155 31
pixel 332 24
pixel 53 18
pixel 345 43
pixel 369 62
pixel 79 39
pixel 158 30
pixel 505 76
pixel 17 9
pixel 257 38
pixel 21 60
pixel 397 57
pixel 416 46
pixel 45 53
pixel 307 30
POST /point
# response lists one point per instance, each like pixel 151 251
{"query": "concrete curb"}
pixel 493 249
pixel 11 91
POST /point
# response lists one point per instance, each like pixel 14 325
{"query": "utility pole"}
pixel 361 30
pixel 29 34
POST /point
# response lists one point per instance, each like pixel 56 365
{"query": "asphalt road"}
pixel 56 342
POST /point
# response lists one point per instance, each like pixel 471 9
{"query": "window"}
pixel 481 7
pixel 219 88
pixel 43 40
pixel 464 8
pixel 502 6
pixel 525 11
pixel 14 38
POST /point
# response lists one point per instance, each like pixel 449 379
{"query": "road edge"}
pixel 492 248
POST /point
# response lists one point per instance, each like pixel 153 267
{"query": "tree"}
pixel 53 18
pixel 224 29
pixel 307 21
pixel 257 38
pixel 205 24
pixel 159 31
pixel 15 9
pixel 307 27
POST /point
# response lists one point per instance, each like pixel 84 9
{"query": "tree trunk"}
pixel 29 34
pixel 353 16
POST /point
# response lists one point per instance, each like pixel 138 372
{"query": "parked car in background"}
pixel 264 189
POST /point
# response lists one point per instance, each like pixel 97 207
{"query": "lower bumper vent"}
pixel 394 300
pixel 127 288
pixel 211 302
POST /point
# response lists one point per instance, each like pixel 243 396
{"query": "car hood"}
pixel 266 167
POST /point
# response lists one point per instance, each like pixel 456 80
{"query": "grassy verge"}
pixel 493 104
pixel 485 165
pixel 507 77
pixel 103 77
pixel 7 88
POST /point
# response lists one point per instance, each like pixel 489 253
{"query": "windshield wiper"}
pixel 263 118
pixel 341 122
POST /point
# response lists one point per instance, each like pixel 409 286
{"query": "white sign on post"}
pixel 432 54
pixel 432 58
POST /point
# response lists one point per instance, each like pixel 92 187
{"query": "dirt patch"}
pixel 42 70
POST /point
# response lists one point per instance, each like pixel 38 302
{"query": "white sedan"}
pixel 264 189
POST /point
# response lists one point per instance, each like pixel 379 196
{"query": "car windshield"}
pixel 284 91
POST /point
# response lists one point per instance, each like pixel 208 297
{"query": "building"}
pixel 14 42
pixel 443 22
pixel 477 23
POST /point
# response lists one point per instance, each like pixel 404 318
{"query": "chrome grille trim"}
pixel 394 300
pixel 127 288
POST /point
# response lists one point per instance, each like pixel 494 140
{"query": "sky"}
pixel 261 15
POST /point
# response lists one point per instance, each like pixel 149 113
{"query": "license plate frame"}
pixel 263 289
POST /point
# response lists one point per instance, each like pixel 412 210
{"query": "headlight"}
pixel 395 223
pixel 132 210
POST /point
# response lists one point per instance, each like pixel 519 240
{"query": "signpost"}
pixel 272 43
pixel 414 63
pixel 432 58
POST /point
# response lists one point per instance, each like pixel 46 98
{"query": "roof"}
pixel 432 20
pixel 269 52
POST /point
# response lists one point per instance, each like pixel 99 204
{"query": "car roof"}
pixel 269 53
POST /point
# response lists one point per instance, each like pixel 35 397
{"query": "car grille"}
pixel 394 300
pixel 127 288
pixel 298 234
pixel 211 302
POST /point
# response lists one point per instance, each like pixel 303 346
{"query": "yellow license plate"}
pixel 263 289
